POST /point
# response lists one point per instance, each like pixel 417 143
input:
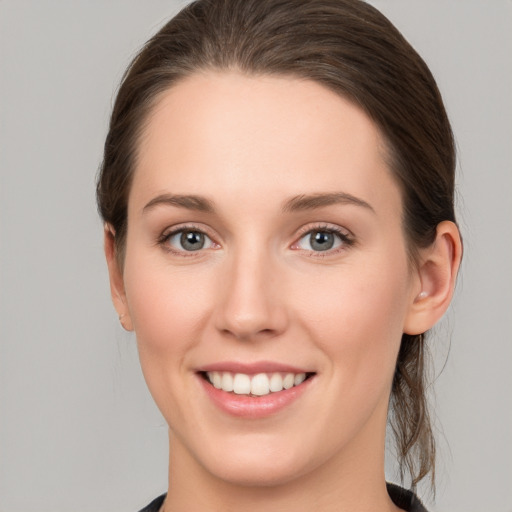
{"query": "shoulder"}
pixel 155 505
pixel 405 499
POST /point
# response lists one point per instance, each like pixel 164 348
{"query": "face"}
pixel 265 253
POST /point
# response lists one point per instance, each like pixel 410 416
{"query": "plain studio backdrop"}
pixel 78 429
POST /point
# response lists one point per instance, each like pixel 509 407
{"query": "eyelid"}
pixel 185 226
pixel 178 228
pixel 324 226
pixel 345 235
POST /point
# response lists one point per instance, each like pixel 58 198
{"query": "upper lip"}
pixel 252 368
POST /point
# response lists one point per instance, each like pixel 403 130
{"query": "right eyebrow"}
pixel 190 202
pixel 313 201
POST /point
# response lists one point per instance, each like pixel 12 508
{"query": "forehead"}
pixel 271 136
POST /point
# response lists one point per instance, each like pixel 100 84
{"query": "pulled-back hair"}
pixel 350 48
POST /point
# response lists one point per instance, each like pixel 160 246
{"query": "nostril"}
pixel 248 309
pixel 245 334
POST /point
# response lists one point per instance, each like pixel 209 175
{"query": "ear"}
pixel 437 273
pixel 116 279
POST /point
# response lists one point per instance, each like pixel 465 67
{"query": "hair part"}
pixel 350 48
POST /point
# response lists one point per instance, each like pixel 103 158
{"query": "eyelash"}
pixel 346 239
pixel 167 235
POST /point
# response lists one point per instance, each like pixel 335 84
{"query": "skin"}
pixel 258 290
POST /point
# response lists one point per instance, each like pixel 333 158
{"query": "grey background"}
pixel 78 430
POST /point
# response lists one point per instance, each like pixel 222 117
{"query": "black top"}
pixel 155 505
pixel 404 499
pixel 401 498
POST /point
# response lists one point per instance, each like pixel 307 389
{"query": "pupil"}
pixel 192 240
pixel 321 240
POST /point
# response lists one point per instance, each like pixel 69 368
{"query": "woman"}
pixel 277 192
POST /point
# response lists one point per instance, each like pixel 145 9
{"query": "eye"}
pixel 322 240
pixel 187 240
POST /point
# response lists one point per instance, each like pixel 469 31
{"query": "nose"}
pixel 252 300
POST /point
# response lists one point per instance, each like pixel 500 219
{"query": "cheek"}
pixel 357 317
pixel 169 309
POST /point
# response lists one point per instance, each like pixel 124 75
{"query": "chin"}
pixel 257 462
pixel 255 473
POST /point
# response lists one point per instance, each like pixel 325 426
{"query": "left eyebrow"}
pixel 312 201
pixel 189 202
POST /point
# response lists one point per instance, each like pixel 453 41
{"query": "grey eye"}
pixel 189 240
pixel 320 240
pixel 192 240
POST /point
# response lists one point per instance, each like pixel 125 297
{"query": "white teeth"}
pixel 242 384
pixel 276 382
pixel 288 381
pixel 299 379
pixel 227 382
pixel 258 385
pixel 216 380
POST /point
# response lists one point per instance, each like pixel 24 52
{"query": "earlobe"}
pixel 116 279
pixel 437 271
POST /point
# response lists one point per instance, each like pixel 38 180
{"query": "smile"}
pixel 260 384
pixel 253 391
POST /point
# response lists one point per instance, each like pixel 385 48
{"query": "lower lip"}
pixel 253 407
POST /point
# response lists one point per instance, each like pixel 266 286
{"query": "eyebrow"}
pixel 313 201
pixel 297 203
pixel 190 202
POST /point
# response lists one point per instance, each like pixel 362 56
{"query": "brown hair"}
pixel 350 48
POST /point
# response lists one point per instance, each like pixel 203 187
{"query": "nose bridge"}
pixel 251 305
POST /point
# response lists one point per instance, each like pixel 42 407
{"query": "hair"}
pixel 350 48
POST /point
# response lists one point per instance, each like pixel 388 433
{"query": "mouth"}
pixel 254 390
pixel 254 385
